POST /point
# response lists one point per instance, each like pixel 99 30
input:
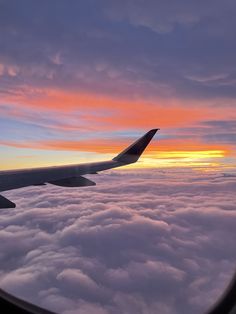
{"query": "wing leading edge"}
pixel 71 175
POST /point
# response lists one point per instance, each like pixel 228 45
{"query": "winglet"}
pixel 132 153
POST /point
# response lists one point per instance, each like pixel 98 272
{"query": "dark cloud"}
pixel 220 131
pixel 139 242
pixel 229 125
pixel 211 132
pixel 129 48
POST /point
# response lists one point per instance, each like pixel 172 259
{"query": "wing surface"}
pixel 70 175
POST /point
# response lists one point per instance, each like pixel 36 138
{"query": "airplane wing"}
pixel 71 175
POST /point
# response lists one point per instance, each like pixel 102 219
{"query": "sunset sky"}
pixel 79 82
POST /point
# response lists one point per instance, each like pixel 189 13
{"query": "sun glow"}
pixel 201 158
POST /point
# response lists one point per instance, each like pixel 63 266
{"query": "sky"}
pixel 81 80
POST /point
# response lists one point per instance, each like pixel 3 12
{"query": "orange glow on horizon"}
pixel 161 154
pixel 109 146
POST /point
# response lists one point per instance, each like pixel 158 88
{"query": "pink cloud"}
pixel 138 239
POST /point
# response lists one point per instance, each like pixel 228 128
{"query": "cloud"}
pixel 140 241
pixel 130 48
pixel 159 16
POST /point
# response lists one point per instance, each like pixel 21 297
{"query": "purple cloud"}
pixel 140 241
pixel 121 48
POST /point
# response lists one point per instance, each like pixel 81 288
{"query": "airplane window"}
pixel 117 156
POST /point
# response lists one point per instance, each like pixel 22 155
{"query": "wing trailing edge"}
pixel 6 203
pixel 73 182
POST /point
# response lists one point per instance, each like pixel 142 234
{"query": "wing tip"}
pixel 153 131
pixel 132 153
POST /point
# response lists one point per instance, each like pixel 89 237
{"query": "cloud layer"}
pixel 139 242
pixel 130 48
